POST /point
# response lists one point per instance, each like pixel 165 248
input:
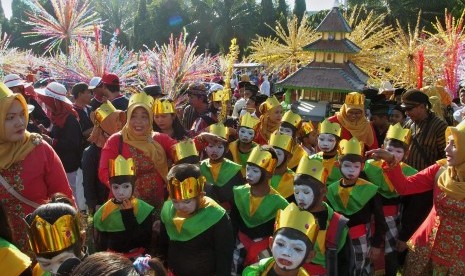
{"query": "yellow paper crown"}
pixel 183 149
pixel 141 98
pixel 282 141
pixel 270 103
pixel 103 111
pixel 121 166
pixel 186 189
pixel 355 100
pixel 302 221
pixel 248 121
pixel 48 238
pixel 220 130
pixel 163 107
pixel 397 132
pixel 330 128
pixel 262 159
pixel 306 128
pixel 220 95
pixel 352 146
pixel 5 91
pixel 292 118
pixel 312 167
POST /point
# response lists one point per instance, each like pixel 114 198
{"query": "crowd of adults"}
pixel 199 185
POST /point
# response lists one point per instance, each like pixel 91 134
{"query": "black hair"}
pixel 291 126
pixel 179 132
pixel 307 180
pixel 295 234
pixel 105 263
pixel 122 179
pixel 395 143
pixel 5 229
pixel 60 198
pixel 399 108
pixel 272 151
pixel 113 88
pixel 351 158
pixel 193 159
pixel 183 171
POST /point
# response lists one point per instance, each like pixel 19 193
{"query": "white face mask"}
pixel 215 152
pixel 246 135
pixel 253 174
pixel 121 191
pixel 281 156
pixel 326 142
pixel 288 254
pixel 351 170
pixel 398 152
pixel 187 206
pixel 304 196
pixel 285 131
pixel 52 265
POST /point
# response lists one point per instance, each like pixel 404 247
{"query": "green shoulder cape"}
pixel 228 170
pixel 360 194
pixel 335 173
pixel 284 184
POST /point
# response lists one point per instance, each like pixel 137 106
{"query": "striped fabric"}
pixel 430 136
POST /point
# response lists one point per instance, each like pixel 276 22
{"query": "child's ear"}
pixel 310 256
pixel 270 243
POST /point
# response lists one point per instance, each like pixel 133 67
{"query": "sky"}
pixel 312 5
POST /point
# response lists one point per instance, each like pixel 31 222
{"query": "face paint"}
pixel 398 152
pixel 121 191
pixel 326 142
pixel 186 207
pixel 52 265
pixel 288 254
pixel 285 131
pixel 351 170
pixel 246 135
pixel 253 174
pixel 215 151
pixel 281 156
pixel 304 196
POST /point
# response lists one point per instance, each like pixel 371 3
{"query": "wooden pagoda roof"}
pixel 334 22
pixel 337 46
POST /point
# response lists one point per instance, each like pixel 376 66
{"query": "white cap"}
pixel 55 90
pixel 94 82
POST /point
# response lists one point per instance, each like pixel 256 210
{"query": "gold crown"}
pixel 355 100
pixel 281 141
pixel 352 146
pixel 5 91
pixel 262 159
pixel 292 118
pixel 48 238
pixel 163 107
pixel 220 95
pixel 270 103
pixel 120 166
pixel 312 167
pixel 183 149
pixel 328 127
pixel 306 128
pixel 103 111
pixel 248 121
pixel 220 130
pixel 186 189
pixel 141 98
pixel 302 221
pixel 397 132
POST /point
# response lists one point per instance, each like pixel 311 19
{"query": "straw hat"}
pixel 55 90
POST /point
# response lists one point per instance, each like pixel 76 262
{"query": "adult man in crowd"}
pixel 82 98
pixel 198 104
pixel 240 104
pixel 111 87
pixel 98 92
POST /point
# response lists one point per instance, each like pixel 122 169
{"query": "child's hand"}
pixel 127 204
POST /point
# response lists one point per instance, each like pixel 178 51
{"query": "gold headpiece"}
pixel 292 118
pixel 302 221
pixel 5 91
pixel 282 141
pixel 248 121
pixel 330 128
pixel 220 95
pixel 141 98
pixel 397 132
pixel 352 146
pixel 163 107
pixel 355 100
pixel 306 128
pixel 48 238
pixel 183 149
pixel 270 103
pixel 220 130
pixel 186 189
pixel 312 167
pixel 263 159
pixel 103 111
pixel 120 166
